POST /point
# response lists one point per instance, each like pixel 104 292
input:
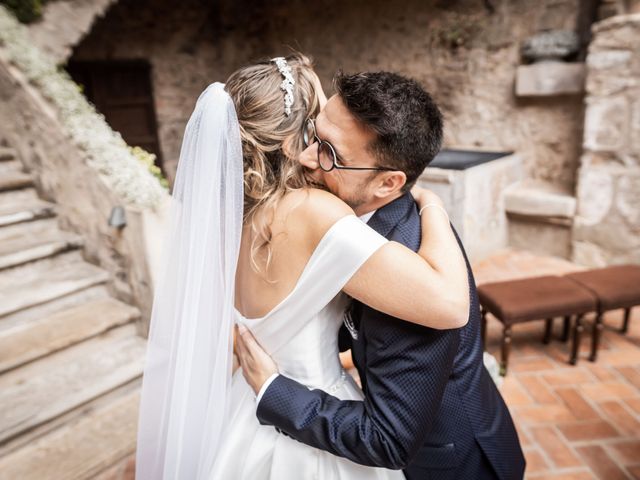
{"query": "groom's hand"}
pixel 257 365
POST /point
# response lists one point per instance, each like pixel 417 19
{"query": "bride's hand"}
pixel 422 196
pixel 257 365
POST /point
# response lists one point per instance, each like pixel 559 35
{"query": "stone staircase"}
pixel 70 358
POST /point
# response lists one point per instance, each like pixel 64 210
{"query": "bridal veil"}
pixel 187 375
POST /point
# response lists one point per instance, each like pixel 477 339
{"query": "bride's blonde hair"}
pixel 271 140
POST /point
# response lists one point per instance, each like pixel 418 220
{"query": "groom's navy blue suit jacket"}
pixel 430 406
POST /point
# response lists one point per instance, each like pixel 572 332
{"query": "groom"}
pixel 430 407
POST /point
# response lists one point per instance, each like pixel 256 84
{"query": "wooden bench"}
pixel 537 298
pixel 615 287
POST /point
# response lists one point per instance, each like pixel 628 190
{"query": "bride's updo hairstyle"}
pixel 271 139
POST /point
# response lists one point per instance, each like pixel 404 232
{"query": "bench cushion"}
pixel 535 298
pixel 615 287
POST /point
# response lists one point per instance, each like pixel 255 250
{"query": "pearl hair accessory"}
pixel 287 83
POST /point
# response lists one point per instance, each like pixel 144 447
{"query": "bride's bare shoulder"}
pixel 315 209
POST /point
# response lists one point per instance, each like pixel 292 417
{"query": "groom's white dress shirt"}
pixel 365 218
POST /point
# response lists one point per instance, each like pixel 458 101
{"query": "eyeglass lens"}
pixel 326 156
pixel 309 134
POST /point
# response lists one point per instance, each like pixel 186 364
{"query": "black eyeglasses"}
pixel 328 159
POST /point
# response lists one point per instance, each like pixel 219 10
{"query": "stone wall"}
pixel 464 52
pixel 607 225
pixel 64 23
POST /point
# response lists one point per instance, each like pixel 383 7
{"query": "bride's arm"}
pixel 430 288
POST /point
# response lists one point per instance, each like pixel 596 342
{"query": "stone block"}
pixel 612 241
pixel 634 132
pixel 550 78
pixel 541 238
pixel 484 220
pixel 539 199
pixel 627 200
pixel 606 124
pixel 588 254
pixel 607 59
pixel 620 31
pixel 474 199
pixel 608 233
pixel 601 83
pixel 612 235
pixel 595 195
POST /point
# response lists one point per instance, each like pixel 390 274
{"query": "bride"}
pixel 251 243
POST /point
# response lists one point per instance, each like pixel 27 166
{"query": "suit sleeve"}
pixel 406 373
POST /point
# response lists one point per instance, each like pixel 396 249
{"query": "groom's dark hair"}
pixel 405 118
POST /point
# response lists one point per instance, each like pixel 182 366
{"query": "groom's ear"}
pixel 390 183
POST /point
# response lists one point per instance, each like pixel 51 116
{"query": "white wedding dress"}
pixel 301 334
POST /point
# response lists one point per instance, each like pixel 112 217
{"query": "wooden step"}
pixel 72 416
pixel 15 180
pixel 65 302
pixel 13 176
pixel 44 389
pixel 29 241
pixel 44 280
pixel 30 340
pixel 7 154
pixel 80 449
pixel 23 205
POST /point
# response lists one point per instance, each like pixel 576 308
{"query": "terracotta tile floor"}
pixel 579 422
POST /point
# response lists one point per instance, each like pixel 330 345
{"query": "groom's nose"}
pixel 309 157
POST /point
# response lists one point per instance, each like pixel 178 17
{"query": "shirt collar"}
pixel 367 216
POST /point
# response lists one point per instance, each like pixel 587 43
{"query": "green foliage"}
pixel 149 161
pixel 25 10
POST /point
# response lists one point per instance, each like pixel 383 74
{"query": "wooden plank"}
pixel 13 176
pixel 72 416
pixel 31 231
pixel 10 166
pixel 15 180
pixel 44 389
pixel 46 309
pixel 29 241
pixel 31 340
pixel 44 280
pixel 36 252
pixel 125 469
pixel 81 449
pixel 7 154
pixel 23 205
pixel 14 199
